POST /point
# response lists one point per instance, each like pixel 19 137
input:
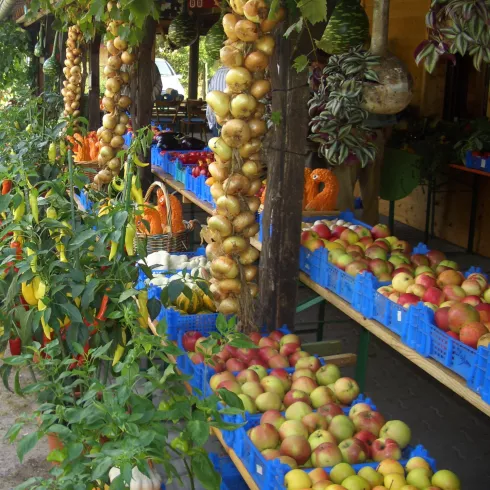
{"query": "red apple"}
pixel 247 375
pixel 337 230
pixel 294 396
pixel 352 451
pixel 434 295
pixel 471 332
pixel 258 362
pixel 326 455
pixel 484 312
pixel 402 246
pixel 293 358
pixel 426 280
pixel 453 335
pixel 283 376
pixel 450 277
pixel 304 384
pixel 196 357
pixel 246 354
pixel 235 365
pixel 383 243
pixel 223 356
pixel 376 252
pixel 385 449
pixel 276 335
pixel 480 278
pixel 314 421
pixel 307 236
pixel 231 350
pixel 255 337
pixel 441 318
pixel 264 436
pixel 216 379
pixel 230 385
pixel 461 313
pixel 312 363
pixel 380 231
pixel 268 342
pixel 266 353
pixel 314 244
pixel 330 410
pixel 370 420
pixel 273 417
pixel 270 454
pixel 366 241
pixel 367 438
pixel 290 338
pixel 288 349
pixel 356 267
pixel 322 230
pixel 453 293
pixel 419 259
pixel 293 428
pixel 407 299
pixel 278 361
pixel 435 257
pixel 349 236
pixel 190 339
pixel 416 289
pixel 472 300
pixel 296 447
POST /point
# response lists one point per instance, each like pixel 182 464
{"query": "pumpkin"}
pixel 190 306
pixel 176 209
pixel 152 216
pixel 326 200
pixel 139 481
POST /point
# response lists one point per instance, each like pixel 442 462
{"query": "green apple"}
pixel 419 477
pixel 396 430
pixel 371 476
pixel 394 481
pixel 446 480
pixel 356 482
pixel 340 472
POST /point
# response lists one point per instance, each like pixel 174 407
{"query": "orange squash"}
pixel 152 216
pixel 176 208
pixel 326 200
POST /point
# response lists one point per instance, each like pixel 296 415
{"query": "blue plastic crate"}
pixel 269 475
pixel 84 201
pixel 477 162
pixel 230 476
pixel 128 138
pixel 198 186
pixel 480 374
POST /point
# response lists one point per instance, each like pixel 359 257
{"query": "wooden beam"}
pixel 94 85
pixel 193 69
pixel 285 150
pixel 342 360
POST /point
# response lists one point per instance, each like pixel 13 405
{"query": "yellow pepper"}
pixel 28 293
pixel 136 191
pixel 33 264
pixel 52 152
pixel 119 349
pixel 129 238
pixel 61 249
pixel 19 211
pixel 143 308
pixel 62 148
pixel 113 251
pixel 51 213
pixel 46 329
pixel 39 287
pixel 139 163
pixel 33 195
pixel 118 184
pixel 16 125
pixel 29 128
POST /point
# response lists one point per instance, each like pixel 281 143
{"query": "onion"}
pixel 75 70
pixel 77 60
pixel 213 250
pixel 71 87
pixel 243 106
pixel 124 102
pixel 105 176
pixel 260 111
pixel 120 44
pixel 228 206
pixel 68 63
pixel 249 256
pixel 123 118
pixel 246 31
pixel 251 231
pixel 125 76
pixel 253 146
pixel 217 191
pixel 113 84
pixel 221 224
pixel 258 128
pixel 101 160
pixel 113 28
pixel 114 62
pixel 255 10
pixel 109 72
pixel 255 186
pixel 229 22
pixel 219 172
pixel 128 58
pixel 254 289
pixel 235 244
pixel 114 164
pixel 236 184
pixel 235 133
pixel 108 104
pixel 237 5
pixel 219 102
pixel 228 286
pixel 117 141
pixel 218 146
pixel 243 220
pixel 229 306
pixel 224 266
pixel 238 80
pixel 252 169
pixel 250 272
pixel 107 153
pixel 120 129
pixel 231 56
pixel 253 203
pixel 74 105
pixel 221 120
pixel 109 121
pixel 267 25
pixel 66 71
pixel 218 295
pixel 256 61
pixel 265 44
pixel 111 48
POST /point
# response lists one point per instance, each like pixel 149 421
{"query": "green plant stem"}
pixel 127 201
pixel 72 200
pixel 191 475
pixel 33 374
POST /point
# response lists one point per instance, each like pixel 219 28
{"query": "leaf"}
pixel 230 398
pixel 56 456
pixel 72 312
pixel 174 289
pixel 102 469
pixel 154 308
pixel 276 118
pixel 119 219
pixel 300 63
pixel 17 387
pixel 204 471
pixel 162 327
pixel 80 238
pixel 297 26
pixel 13 432
pixel 26 444
pixel 313 10
pixel 4 202
pixel 198 431
pixel 89 293
pixel 127 294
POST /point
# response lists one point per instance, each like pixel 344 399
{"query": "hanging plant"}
pixel 182 31
pixel 51 66
pixel 456 26
pixel 39 47
pixel 214 40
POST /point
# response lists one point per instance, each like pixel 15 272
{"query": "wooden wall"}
pixel 452 211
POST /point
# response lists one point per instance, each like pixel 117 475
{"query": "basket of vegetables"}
pixel 160 226
pixel 86 149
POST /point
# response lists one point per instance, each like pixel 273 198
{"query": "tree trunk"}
pixel 285 151
pixel 94 93
pixel 193 69
pixel 141 93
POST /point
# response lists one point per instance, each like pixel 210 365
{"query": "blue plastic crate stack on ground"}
pixel 478 162
pixel 480 374
pixel 269 475
pixel 230 476
pixel 197 185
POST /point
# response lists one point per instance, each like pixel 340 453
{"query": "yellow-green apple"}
pixel 293 428
pixel 376 252
pixel 409 487
pixel 349 236
pixel 342 243
pixel 312 363
pixel 480 278
pixel 313 244
pixel 326 455
pixel 335 487
pixel 408 299
pixel 371 476
pixel 278 361
pixel 383 243
pixel 230 385
pixel 431 306
pixel 304 384
pixel 343 261
pixel 472 300
pixel 334 254
pixel 385 290
pixel 416 289
pixel 402 246
pixel 401 282
pixel 355 249
pixel 370 420
pixel 273 417
pixel 450 263
pixel 293 358
pixel 398 260
pixel 441 318
pixel 294 396
pixel 485 339
pixel 299 373
pixel 289 461
pixel 289 338
pixel 234 365
pixel 390 466
pixel 288 349
pixel 318 474
pixel 397 430
pixel 446 480
pixel 380 231
pixel 341 427
pixel 419 477
pixel 419 260
pixel 270 454
pixel 269 342
pixel 356 482
pixel 320 436
pixel 385 449
pixel 252 389
pixel 346 390
pixel 329 411
pixel 417 462
pixel 425 279
pixel 486 296
pixel 283 376
pixel 268 401
pixel 365 241
pixel 322 230
pixel 380 487
pixel 367 438
pixel 472 287
pixel 471 333
pixel 461 313
pixel 247 375
pixel 362 231
pixel 314 421
pixel 434 295
pixel 356 267
pixel 297 480
pixel 296 447
pixel 423 269
pixel 358 408
pixel 273 385
pixel 321 396
pixel 264 436
pixel 394 481
pixel 327 374
pixel 248 403
pixel 297 411
pixel 353 451
pixel 435 257
pixel 216 379
pixel 379 266
pixel 453 293
pixel 340 472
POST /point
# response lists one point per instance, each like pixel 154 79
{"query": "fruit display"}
pixel 417 474
pixel 236 174
pixel 72 85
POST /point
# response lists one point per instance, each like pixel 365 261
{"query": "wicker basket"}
pixel 170 242
pixel 89 169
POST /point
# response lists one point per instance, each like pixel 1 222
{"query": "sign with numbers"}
pixel 201 4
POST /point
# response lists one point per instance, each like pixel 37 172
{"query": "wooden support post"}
pixel 94 85
pixel 193 69
pixel 142 90
pixel 285 153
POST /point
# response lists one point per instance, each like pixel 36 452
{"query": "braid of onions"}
pixel 115 121
pixel 236 174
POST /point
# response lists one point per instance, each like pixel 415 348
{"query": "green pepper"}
pixel 143 308
pixel 20 210
pixel 129 238
pixel 62 148
pixel 180 445
pixel 119 349
pixel 33 195
pixel 113 251
pixel 52 152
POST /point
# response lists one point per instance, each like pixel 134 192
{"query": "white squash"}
pixel 139 481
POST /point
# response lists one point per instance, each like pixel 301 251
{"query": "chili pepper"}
pixel 17 245
pixel 39 287
pixel 80 358
pixel 103 307
pixel 33 263
pixel 15 346
pixel 118 184
pixel 61 249
pixel 16 125
pixel 143 308
pixel 52 152
pixel 180 444
pixel 136 191
pixel 33 195
pixel 20 210
pixel 28 293
pixel 29 128
pixel 6 186
pixel 129 238
pixel 62 148
pixel 139 163
pixel 46 329
pixel 119 349
pixel 113 251
pixel 51 213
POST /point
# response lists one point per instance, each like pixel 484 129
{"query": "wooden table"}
pixel 436 370
pixel 474 199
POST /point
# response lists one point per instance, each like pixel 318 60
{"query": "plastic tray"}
pixel 480 374
pixel 477 162
pixel 230 476
pixel 198 186
pixel 269 475
pixel 128 137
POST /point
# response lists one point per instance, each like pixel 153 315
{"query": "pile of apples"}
pixel 389 475
pixel 194 157
pixel 202 168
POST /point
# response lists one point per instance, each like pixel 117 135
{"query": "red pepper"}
pixel 80 359
pixel 6 186
pixel 18 249
pixel 15 346
pixel 100 315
